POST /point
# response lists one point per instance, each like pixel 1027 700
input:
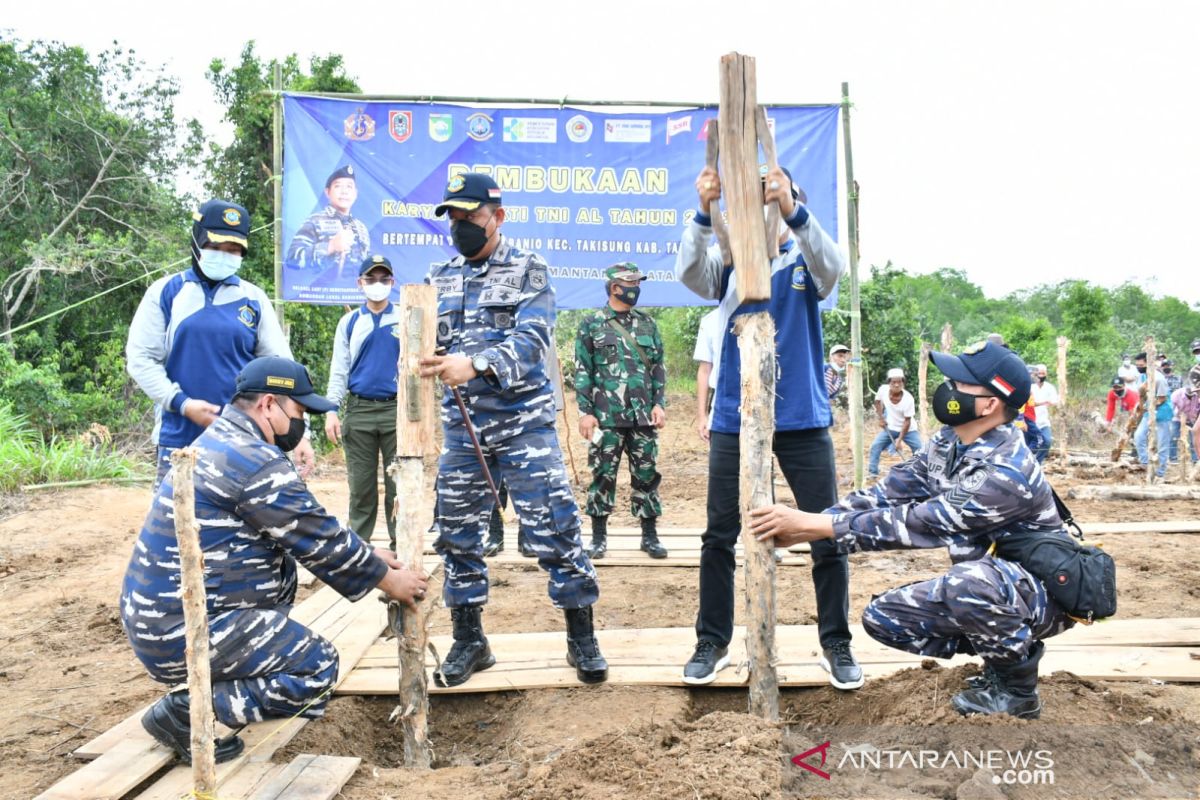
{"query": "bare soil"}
pixel 66 674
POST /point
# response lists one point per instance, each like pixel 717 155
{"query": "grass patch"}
pixel 27 459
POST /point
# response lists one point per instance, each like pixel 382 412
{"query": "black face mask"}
pixel 468 237
pixel 627 294
pixel 952 407
pixel 1142 370
pixel 1166 370
pixel 1118 392
pixel 287 442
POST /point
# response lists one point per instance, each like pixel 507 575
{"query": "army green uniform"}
pixel 614 384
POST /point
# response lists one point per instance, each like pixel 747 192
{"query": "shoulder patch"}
pixel 538 279
pixel 966 488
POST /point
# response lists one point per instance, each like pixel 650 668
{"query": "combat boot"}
pixel 495 540
pixel 650 543
pixel 583 651
pixel 1013 690
pixel 523 546
pixel 169 721
pixel 599 545
pixel 470 652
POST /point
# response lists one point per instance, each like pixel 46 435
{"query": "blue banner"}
pixel 584 189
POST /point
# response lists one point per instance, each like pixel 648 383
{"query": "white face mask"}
pixel 219 265
pixel 377 292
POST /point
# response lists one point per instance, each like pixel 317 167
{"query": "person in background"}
pixel 895 408
pixel 1174 384
pixel 1120 398
pixel 1185 402
pixel 1044 396
pixel 835 370
pixel 707 356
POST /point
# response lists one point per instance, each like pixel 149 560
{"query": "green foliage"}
pixel 26 458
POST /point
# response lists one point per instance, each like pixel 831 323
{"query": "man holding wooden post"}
pixel 806 270
pixel 257 519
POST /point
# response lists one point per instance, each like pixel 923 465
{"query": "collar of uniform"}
pixel 191 275
pixel 240 419
pixel 611 313
pixel 333 212
pixel 364 309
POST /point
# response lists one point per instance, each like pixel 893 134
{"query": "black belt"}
pixel 388 399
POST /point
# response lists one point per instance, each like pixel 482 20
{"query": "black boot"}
pixel 470 652
pixel 523 546
pixel 650 543
pixel 1013 690
pixel 495 540
pixel 169 722
pixel 583 651
pixel 599 544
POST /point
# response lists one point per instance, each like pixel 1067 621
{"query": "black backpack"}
pixel 1081 578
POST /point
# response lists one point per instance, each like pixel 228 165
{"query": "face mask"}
pixel 468 237
pixel 377 292
pixel 952 407
pixel 1166 370
pixel 838 367
pixel 627 294
pixel 1142 370
pixel 1197 357
pixel 1119 392
pixel 1041 378
pixel 217 265
pixel 287 442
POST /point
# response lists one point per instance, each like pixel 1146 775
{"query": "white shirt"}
pixel 896 413
pixel 708 344
pixel 1041 394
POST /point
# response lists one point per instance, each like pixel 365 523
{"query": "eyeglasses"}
pixel 386 281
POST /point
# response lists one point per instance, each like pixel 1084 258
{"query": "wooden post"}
pixel 756 342
pixel 923 378
pixel 415 415
pixel 1061 375
pixel 739 178
pixel 1151 408
pixel 947 338
pixel 277 187
pixel 854 366
pixel 195 615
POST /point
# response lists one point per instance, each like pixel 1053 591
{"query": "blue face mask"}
pixel 218 265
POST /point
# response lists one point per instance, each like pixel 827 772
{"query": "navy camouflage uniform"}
pixel 613 384
pixel 309 245
pixel 962 498
pixel 256 520
pixel 503 308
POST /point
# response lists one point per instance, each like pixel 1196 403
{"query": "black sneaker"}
pixel 838 661
pixel 705 663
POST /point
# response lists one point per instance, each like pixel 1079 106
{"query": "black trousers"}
pixel 806 460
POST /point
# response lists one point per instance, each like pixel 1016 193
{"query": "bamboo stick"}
pixel 1151 408
pixel 1061 375
pixel 922 390
pixel 854 367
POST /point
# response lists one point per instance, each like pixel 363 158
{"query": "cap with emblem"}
pixel 625 271
pixel 341 172
pixel 371 262
pixel 218 222
pixel 468 191
pixel 991 366
pixel 278 375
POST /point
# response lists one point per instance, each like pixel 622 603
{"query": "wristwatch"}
pixel 481 364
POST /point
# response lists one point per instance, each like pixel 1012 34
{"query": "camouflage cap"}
pixel 624 271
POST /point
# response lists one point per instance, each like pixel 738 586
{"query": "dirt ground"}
pixel 66 674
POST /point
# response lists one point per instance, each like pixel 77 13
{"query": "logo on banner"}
pixel 627 130
pixel 479 127
pixel 539 130
pixel 579 128
pixel 400 125
pixel 702 136
pixel 441 126
pixel 678 126
pixel 359 126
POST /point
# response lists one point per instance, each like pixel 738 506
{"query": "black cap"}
pixel 468 192
pixel 371 262
pixel 1117 382
pixel 991 366
pixel 278 375
pixel 220 221
pixel 342 172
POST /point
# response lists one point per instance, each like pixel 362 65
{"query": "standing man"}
pixel 974 489
pixel 362 381
pixel 620 385
pixel 835 378
pixel 332 238
pixel 807 270
pixel 195 330
pixel 895 408
pixel 707 355
pixel 1186 404
pixel 256 520
pixel 1044 396
pixel 1157 402
pixel 1174 384
pixel 495 318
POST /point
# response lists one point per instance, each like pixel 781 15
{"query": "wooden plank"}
pixel 1163 526
pixel 320 778
pixel 126 764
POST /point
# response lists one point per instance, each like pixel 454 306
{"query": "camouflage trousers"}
pixel 264 664
pixel 531 466
pixel 162 465
pixel 641 444
pixel 991 607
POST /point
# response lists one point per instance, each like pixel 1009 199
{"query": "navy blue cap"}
pixel 219 221
pixel 991 366
pixel 468 192
pixel 341 172
pixel 371 262
pixel 278 375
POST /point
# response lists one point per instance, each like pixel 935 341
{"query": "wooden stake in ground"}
pixel 1061 374
pixel 854 367
pixel 741 189
pixel 1151 409
pixel 947 338
pixel 415 412
pixel 922 390
pixel 195 616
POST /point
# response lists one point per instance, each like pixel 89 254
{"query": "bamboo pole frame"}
pixel 277 188
pixel 1064 344
pixel 854 367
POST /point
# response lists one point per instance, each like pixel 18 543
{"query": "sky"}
pixel 1021 142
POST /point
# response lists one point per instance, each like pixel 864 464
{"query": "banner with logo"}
pixel 584 189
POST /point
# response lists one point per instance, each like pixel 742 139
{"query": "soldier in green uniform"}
pixel 620 383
